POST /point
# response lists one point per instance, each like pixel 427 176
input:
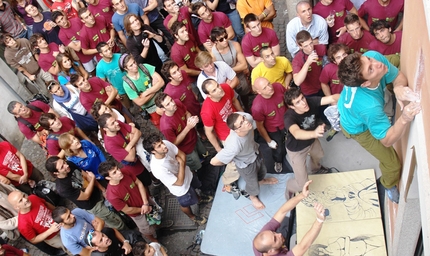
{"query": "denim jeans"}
pixel 237 24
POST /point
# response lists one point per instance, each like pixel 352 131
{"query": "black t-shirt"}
pixel 49 33
pixel 71 187
pixel 223 6
pixel 307 121
pixel 115 249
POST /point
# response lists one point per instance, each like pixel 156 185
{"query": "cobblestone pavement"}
pixel 176 242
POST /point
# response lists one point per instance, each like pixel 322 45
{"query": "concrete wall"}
pixel 413 147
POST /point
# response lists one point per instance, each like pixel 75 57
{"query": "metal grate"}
pixel 172 211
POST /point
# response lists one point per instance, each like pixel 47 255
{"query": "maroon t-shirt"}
pixel 100 32
pixel 103 8
pixel 375 11
pixel 12 251
pixel 47 60
pixel 361 45
pixel 184 93
pixel 172 126
pixel 116 147
pixel 214 114
pixel 184 54
pixel 125 193
pixel 329 76
pixel 311 84
pixel 184 16
pixel 97 93
pixel 341 7
pixel 219 20
pixel 70 34
pixel 251 45
pixel 270 111
pixel 68 126
pixel 386 49
pixel 34 119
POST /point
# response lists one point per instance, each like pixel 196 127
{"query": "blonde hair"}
pixel 65 141
pixel 203 58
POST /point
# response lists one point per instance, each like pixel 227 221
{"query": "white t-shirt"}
pixel 157 248
pixel 167 168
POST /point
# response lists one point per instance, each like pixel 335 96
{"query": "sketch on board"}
pixel 359 198
pixel 364 245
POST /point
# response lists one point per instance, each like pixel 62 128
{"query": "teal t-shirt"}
pixel 142 83
pixel 111 72
pixel 362 109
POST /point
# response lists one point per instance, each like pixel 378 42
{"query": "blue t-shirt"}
pixel 74 238
pixel 111 72
pixel 118 19
pixel 362 109
pixel 94 158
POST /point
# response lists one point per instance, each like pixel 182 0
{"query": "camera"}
pixel 145 35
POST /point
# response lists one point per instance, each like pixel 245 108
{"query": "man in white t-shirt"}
pixel 168 164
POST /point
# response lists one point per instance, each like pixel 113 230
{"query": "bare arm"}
pixel 330 99
pixel 292 203
pixel 23 162
pixel 233 83
pixel 191 123
pixel 146 208
pixel 89 51
pixel 152 4
pixel 75 45
pixel 181 158
pixel 300 134
pixel 267 14
pixel 144 19
pixel 276 50
pixel 190 72
pixel 86 194
pixel 230 32
pixel 112 92
pixel 400 26
pixel 43 236
pixel 134 136
pixel 237 105
pixel 263 132
pixel 287 80
pixel 212 5
pixel 122 37
pixel 253 61
pixel 157 84
pixel 241 64
pixel 81 134
pixel 326 89
pixel 301 75
pixel 210 133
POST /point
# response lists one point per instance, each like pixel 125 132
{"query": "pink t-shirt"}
pixel 100 32
pixel 270 111
pixel 66 7
pixel 341 7
pixel 386 49
pixel 70 34
pixel 375 11
pixel 184 93
pixel 329 76
pixel 251 45
pixel 47 60
pixel 184 16
pixel 10 162
pixel 172 126
pixel 37 220
pixel 116 147
pixel 361 45
pixel 125 193
pixel 97 93
pixel 311 84
pixel 34 119
pixel 184 54
pixel 219 20
pixel 68 126
pixel 214 114
pixel 103 8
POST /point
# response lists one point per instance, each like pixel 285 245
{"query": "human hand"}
pixel 54 227
pixel 4 180
pixel 145 209
pixel 313 57
pixel 320 211
pixel 319 131
pixel 340 31
pixel 208 44
pixel 404 93
pixel 305 190
pixel 411 110
pixel 32 77
pixel 272 144
pixel 62 48
pixel 111 42
pixel 145 42
pixel 90 176
pixel 192 121
pixel 127 247
pixel 23 179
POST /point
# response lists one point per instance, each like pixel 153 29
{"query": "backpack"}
pixel 27 123
pixel 39 97
pixel 46 190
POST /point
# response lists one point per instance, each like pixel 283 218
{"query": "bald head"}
pixel 302 4
pixel 268 242
pixel 263 87
pixel 19 200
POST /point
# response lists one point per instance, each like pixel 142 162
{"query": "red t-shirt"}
pixel 386 49
pixel 116 147
pixel 329 76
pixel 70 34
pixel 47 60
pixel 100 32
pixel 341 7
pixel 219 20
pixel 10 162
pixel 33 119
pixel 103 8
pixel 184 54
pixel 376 11
pixel 251 45
pixel 214 114
pixel 69 126
pixel 125 193
pixel 66 7
pixel 37 220
pixel 270 111
pixel 184 93
pixel 97 93
pixel 361 45
pixel 172 126
pixel 184 16
pixel 311 84
pixel 12 251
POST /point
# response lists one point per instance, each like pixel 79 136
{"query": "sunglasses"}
pixel 90 237
pixel 222 38
pixel 50 85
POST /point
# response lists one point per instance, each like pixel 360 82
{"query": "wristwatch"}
pixel 126 241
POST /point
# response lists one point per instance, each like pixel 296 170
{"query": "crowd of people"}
pixel 204 71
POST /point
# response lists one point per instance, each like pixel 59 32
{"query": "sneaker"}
pixel 322 170
pixel 204 199
pixel 156 183
pixel 331 133
pixel 244 194
pixel 278 167
pixel 393 194
pixel 236 193
pixel 200 220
